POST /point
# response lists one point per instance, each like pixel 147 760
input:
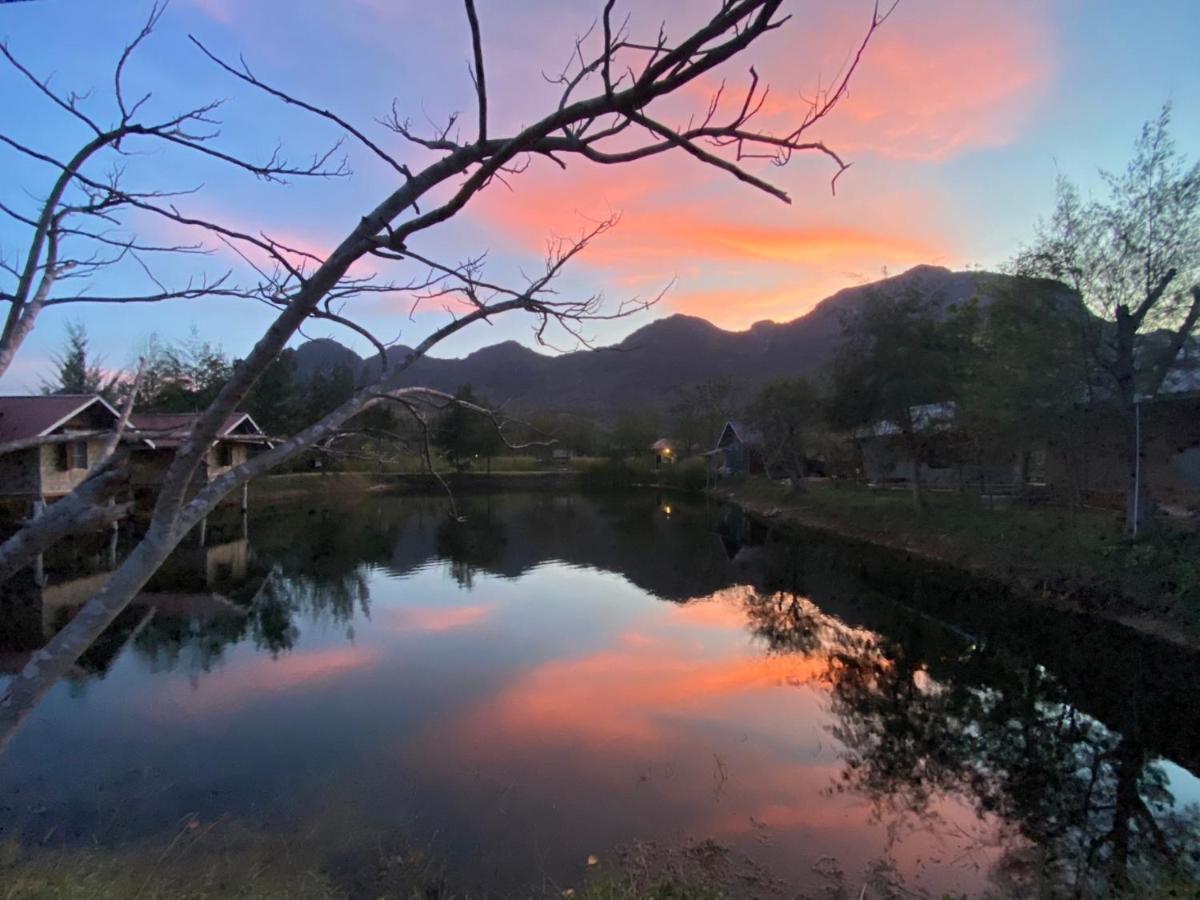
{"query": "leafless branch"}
pixel 618 122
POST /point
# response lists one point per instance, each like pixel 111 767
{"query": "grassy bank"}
pixel 217 860
pixel 304 485
pixel 601 475
pixel 1080 557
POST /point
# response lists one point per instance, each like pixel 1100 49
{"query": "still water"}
pixel 642 679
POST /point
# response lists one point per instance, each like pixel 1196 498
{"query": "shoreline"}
pixel 1051 586
pixel 1083 584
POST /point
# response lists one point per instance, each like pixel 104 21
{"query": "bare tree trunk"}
pixel 1138 505
pixel 914 454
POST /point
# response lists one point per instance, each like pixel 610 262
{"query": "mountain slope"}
pixel 645 369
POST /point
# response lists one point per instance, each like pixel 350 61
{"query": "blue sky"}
pixel 956 125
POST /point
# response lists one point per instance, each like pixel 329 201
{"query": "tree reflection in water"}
pixel 1012 714
pixel 1090 808
pixel 471 544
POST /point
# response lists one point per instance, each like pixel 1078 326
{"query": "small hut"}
pixel 49 443
pixel 664 450
pixel 739 451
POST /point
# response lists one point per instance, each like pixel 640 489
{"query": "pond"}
pixel 646 680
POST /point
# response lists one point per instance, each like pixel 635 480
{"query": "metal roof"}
pixel 39 415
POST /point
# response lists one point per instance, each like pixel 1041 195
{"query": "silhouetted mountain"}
pixel 645 368
pixel 324 355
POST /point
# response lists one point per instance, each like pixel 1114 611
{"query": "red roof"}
pixel 22 418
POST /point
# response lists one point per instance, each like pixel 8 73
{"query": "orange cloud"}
pixel 781 259
pixel 620 694
pixel 680 236
pixel 936 80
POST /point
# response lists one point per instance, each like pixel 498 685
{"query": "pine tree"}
pixel 76 371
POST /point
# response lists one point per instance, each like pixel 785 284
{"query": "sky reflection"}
pixel 523 708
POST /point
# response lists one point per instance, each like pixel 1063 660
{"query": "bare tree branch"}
pixel 478 75
pixel 609 126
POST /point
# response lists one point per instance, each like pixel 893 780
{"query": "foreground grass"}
pixel 1080 554
pixel 85 877
pixel 91 876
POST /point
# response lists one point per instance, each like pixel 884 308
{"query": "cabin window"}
pixel 62 457
pixel 79 455
pixel 224 455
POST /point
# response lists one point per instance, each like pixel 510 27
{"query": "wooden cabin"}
pixel 739 451
pixel 49 443
pixel 238 438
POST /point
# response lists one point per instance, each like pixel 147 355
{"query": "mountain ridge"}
pixel 669 353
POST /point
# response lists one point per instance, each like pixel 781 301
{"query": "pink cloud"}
pixel 244 683
pixel 436 618
pixel 938 79
pixel 217 10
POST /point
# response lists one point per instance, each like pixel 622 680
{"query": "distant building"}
pixel 945 459
pixel 49 443
pixel 1094 464
pixel 664 450
pixel 238 438
pixel 739 451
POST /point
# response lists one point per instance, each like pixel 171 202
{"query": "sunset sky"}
pixel 956 125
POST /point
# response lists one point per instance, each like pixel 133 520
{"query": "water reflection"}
pixel 515 685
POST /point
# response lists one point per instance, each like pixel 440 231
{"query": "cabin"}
pixel 49 443
pixel 739 451
pixel 238 438
pixel 664 450
pixel 1093 464
pixel 886 458
pixel 946 460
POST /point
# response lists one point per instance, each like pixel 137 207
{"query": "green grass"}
pixel 617 886
pixel 1052 549
pixel 92 875
pixel 253 868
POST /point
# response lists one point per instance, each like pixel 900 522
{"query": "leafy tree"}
pixel 76 371
pixel 1134 256
pixel 632 433
pixel 899 354
pixel 463 433
pixel 184 376
pixel 1026 376
pixel 786 413
pixel 274 400
pixel 699 411
pixel 568 431
pixel 326 390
